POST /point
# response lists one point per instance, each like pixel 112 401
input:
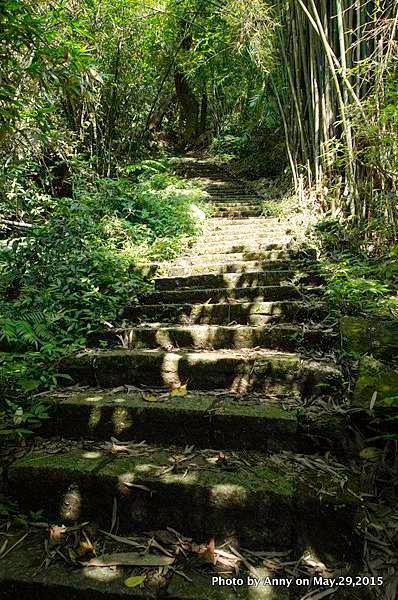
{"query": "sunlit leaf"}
pixel 179 392
pixel 134 581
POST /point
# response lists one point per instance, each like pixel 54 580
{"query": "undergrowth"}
pixel 76 268
pixel 361 279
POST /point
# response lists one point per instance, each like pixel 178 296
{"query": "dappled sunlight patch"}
pixel 311 560
pixel 119 400
pixel 185 478
pixel 146 468
pixel 103 574
pixel 163 338
pixel 71 505
pixel 121 419
pixel 125 483
pixel 95 417
pixel 93 399
pixel 241 383
pixel 169 370
pixel 265 590
pixel 92 455
pixel 227 494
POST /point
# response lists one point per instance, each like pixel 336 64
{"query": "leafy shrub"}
pixel 359 279
pixel 75 270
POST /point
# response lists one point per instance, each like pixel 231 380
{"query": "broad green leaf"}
pixel 134 581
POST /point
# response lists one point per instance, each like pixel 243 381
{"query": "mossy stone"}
pixel 374 376
pixel 370 336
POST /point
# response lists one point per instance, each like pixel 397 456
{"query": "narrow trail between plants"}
pixel 225 371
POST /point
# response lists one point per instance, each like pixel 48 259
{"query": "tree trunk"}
pixel 189 108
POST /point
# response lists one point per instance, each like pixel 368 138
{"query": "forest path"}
pixel 215 369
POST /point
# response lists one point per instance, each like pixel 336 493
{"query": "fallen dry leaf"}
pixel 207 553
pixel 84 548
pixel 118 449
pixel 56 533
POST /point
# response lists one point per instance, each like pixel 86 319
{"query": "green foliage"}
pixel 77 269
pixel 359 281
pixel 17 422
pixel 251 149
pixel 10 513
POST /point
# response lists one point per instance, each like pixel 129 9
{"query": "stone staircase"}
pixel 235 329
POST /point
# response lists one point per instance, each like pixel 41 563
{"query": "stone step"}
pixel 233 370
pixel 234 279
pixel 218 192
pixel 241 256
pixel 244 236
pixel 247 245
pixel 262 264
pixel 211 176
pixel 183 267
pixel 231 296
pixel 236 212
pixel 288 268
pixel 265 502
pixel 203 420
pixel 242 232
pixel 23 578
pixel 237 207
pixel 216 337
pixel 241 241
pixel 266 423
pixel 225 222
pixel 231 201
pixel 242 227
pixel 222 223
pixel 245 313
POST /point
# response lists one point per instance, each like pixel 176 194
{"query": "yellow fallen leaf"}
pixel 370 453
pixel 150 398
pixel 134 581
pixel 179 392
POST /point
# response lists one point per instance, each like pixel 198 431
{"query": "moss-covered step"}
pixel 229 191
pixel 244 235
pixel 218 221
pixel 274 243
pixel 217 337
pixel 246 313
pixel 239 256
pixel 225 295
pixel 248 265
pixel 206 421
pixel 376 378
pixel 226 203
pixel 268 502
pixel 235 227
pixel 22 577
pixel 237 212
pixel 370 336
pixel 287 268
pixel 228 187
pixel 236 280
pixel 200 585
pixel 239 208
pixel 234 370
pixel 236 196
